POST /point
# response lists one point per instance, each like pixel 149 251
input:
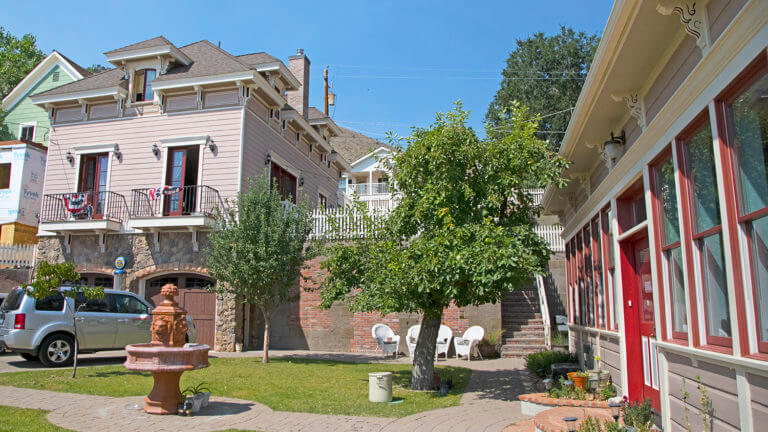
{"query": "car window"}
pixel 53 302
pixel 128 305
pixel 13 301
pixel 93 305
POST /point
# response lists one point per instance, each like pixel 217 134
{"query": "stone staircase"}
pixel 522 324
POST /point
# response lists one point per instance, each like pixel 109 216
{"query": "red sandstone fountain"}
pixel 166 356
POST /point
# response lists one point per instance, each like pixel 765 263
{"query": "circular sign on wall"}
pixel 119 265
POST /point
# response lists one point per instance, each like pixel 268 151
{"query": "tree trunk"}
pixel 422 374
pixel 265 356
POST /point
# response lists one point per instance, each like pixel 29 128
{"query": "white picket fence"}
pixel 17 255
pixel 352 224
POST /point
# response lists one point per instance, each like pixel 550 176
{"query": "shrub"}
pixel 540 363
pixel 639 416
pixel 591 424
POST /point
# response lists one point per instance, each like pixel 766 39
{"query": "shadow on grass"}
pixel 109 374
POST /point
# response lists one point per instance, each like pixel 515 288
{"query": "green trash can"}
pixel 380 386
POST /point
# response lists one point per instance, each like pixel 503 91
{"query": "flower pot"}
pixel 196 402
pixel 578 381
pixel 205 396
pixel 487 351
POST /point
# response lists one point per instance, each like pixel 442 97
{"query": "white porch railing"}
pixel 552 234
pixel 368 188
pixel 17 255
pixel 544 305
pixel 538 194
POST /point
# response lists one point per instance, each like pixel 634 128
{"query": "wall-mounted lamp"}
pixel 155 150
pixel 301 181
pixel 212 146
pixel 118 154
pixel 70 158
pixel 268 160
pixel 613 149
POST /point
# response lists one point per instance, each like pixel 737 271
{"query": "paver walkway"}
pixel 489 404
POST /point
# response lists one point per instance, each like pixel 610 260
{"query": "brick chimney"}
pixel 299 66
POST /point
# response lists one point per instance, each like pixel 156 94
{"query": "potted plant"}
pixel 490 345
pixel 198 396
pixel 579 379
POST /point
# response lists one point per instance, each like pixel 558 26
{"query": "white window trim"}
pixel 25 124
pixel 201 140
pixel 285 165
pixel 109 148
pixel 95 148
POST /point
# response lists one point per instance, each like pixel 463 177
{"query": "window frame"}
pixel 24 125
pixel 10 175
pixel 144 86
pixel 740 223
pixel 692 238
pixel 597 270
pixel 609 270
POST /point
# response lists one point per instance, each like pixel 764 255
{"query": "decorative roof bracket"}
pixel 695 20
pixel 635 103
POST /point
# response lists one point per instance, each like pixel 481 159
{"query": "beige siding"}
pixel 671 77
pixel 181 102
pixel 720 383
pixel 139 167
pixel 759 391
pixel 261 138
pixel 221 98
pixel 610 358
pixel 720 14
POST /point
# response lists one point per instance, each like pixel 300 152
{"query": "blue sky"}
pixel 392 64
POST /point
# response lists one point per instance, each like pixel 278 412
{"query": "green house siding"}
pixel 24 111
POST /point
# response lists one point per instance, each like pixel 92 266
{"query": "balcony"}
pixel 173 207
pixel 364 189
pixel 83 212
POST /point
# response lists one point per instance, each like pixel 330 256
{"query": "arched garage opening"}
pixel 193 297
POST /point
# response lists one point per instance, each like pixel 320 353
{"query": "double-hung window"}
pixel 673 280
pixel 142 85
pixel 597 263
pixel 746 132
pixel 697 148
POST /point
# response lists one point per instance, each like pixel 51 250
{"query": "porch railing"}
pixel 544 305
pixel 18 255
pixel 343 223
pixel 368 188
pixel 552 234
pixel 85 205
pixel 176 201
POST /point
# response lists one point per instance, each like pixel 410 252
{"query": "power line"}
pixel 459 78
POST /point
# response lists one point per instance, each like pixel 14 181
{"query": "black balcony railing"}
pixel 87 205
pixel 176 201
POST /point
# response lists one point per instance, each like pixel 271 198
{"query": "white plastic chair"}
pixel 468 341
pixel 387 340
pixel 411 337
pixel 444 336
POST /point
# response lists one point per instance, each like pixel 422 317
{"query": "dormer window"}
pixel 142 85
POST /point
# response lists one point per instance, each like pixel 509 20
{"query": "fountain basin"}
pixel 158 358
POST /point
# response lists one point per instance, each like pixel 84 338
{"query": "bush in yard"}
pixel 540 363
pixel 462 232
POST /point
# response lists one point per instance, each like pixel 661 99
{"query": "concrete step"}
pixel 524 335
pixel 523 341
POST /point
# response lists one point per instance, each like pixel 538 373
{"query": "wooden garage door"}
pixel 193 297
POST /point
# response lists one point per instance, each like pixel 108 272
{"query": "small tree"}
pixel 461 234
pixel 49 281
pixel 258 251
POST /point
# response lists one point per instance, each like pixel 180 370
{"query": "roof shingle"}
pixel 353 145
pixel 155 41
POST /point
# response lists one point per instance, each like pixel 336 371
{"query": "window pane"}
pixel 616 305
pixel 149 75
pixel 702 167
pixel 5 176
pixel 677 289
pixel 759 248
pixel 748 121
pixel 129 305
pixel 667 194
pixel 53 302
pixel 715 289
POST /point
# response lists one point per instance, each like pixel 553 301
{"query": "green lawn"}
pixel 28 420
pixel 299 385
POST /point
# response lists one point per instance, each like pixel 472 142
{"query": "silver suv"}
pixel 42 329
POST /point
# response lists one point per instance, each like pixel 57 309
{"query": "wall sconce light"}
pixel 301 181
pixel 155 150
pixel 212 146
pixel 613 149
pixel 118 153
pixel 70 158
pixel 268 160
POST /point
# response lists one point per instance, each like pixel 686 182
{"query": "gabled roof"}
pixel 104 79
pixel 353 146
pixel 258 58
pixel 207 60
pixel 149 43
pixel 75 71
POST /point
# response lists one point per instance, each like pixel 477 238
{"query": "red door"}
pixel 639 325
pixel 93 180
pixel 177 161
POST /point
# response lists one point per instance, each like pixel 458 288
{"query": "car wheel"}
pixel 29 357
pixel 57 350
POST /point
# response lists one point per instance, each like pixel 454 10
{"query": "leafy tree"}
pixel 18 56
pixel 462 232
pixel 258 250
pixel 48 282
pixel 546 74
pixel 96 68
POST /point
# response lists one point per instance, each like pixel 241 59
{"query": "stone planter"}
pixel 488 351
